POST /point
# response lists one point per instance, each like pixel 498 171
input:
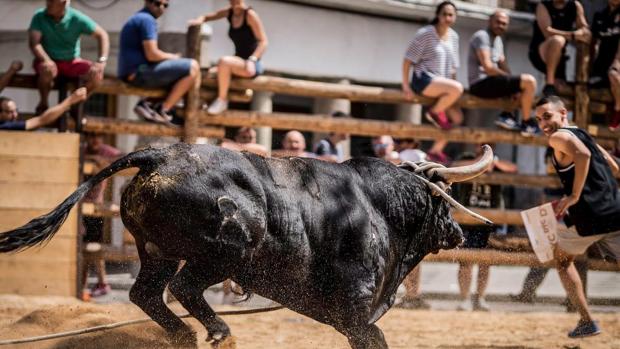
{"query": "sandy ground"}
pixel 30 316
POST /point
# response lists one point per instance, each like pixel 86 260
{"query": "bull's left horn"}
pixel 463 173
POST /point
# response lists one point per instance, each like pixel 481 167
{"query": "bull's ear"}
pixel 227 206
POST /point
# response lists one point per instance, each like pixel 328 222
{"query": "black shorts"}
pixel 539 64
pixel 496 86
pixel 476 236
pixel 94 229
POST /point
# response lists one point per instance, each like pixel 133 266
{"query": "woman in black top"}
pixel 557 22
pixel 247 33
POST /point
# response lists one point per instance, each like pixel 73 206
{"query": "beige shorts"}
pixel 574 244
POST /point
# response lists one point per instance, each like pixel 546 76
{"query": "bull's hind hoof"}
pixel 227 342
pixel 183 339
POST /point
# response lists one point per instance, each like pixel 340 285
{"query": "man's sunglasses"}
pixel 160 3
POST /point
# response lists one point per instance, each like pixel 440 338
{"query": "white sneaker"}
pixel 218 106
pixel 465 305
pixel 480 304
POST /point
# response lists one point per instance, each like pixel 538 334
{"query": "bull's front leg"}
pixel 188 286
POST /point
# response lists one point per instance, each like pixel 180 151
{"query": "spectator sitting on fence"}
pixel 248 35
pixel 591 202
pixel 245 140
pixel 489 75
pixel 293 144
pixel 383 148
pixel 9 114
pixel 484 196
pixel 92 227
pixel 141 63
pixel 606 67
pixel 327 148
pixel 5 79
pixel 557 23
pixel 434 53
pixel 407 149
pixel 54 35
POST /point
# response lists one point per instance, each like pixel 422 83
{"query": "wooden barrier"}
pixel 39 170
pixel 118 126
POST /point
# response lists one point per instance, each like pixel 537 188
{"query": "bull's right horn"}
pixel 463 173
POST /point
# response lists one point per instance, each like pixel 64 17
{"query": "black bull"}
pixel 330 241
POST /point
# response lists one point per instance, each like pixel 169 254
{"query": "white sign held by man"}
pixel 542 227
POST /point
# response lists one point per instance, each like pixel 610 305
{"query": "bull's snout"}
pixel 453 239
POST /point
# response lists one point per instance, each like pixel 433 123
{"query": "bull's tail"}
pixel 43 228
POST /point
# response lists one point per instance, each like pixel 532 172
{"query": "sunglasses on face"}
pixel 160 3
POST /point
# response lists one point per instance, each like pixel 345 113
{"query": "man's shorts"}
pixel 496 86
pixel 70 69
pixel 163 74
pixel 574 244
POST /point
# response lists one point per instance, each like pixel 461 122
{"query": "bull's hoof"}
pixel 183 339
pixel 227 342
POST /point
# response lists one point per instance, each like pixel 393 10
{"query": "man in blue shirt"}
pixel 142 63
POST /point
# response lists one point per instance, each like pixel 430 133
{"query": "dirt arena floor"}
pixel 30 316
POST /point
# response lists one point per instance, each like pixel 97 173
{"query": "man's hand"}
pixel 79 95
pixel 563 204
pixel 583 35
pixel 16 66
pixel 97 69
pixel 49 67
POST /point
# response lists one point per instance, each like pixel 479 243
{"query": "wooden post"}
pixel 582 99
pixel 192 99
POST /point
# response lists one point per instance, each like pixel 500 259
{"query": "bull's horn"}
pixel 463 173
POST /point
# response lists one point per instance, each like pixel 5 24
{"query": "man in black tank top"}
pixel 557 22
pixel 591 202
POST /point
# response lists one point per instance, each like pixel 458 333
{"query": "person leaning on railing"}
pixel 248 35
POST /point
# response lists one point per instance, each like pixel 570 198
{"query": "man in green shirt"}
pixel 54 36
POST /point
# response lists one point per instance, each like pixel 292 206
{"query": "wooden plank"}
pixel 192 97
pixel 21 169
pixel 354 93
pixel 117 126
pixel 33 195
pixel 39 278
pixel 57 250
pixel 494 257
pixel 518 180
pixel 40 144
pixel 510 217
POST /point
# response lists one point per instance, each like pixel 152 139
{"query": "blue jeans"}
pixel 162 74
pixel 420 81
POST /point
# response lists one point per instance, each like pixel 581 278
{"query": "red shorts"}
pixel 70 69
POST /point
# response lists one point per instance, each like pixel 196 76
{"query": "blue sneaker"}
pixel 529 128
pixel 507 122
pixel 585 329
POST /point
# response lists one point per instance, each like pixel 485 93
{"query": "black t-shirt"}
pixel 561 19
pixel 16 125
pixel 605 28
pixel 598 208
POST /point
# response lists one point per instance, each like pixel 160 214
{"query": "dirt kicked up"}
pixel 32 316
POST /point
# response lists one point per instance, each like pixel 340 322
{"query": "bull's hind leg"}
pixel 365 337
pixel 188 286
pixel 147 293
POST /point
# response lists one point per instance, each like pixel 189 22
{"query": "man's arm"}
pixel 259 33
pixel 484 57
pixel 103 39
pixel 572 148
pixel 211 16
pixel 8 75
pixel 34 39
pixel 154 54
pixel 610 160
pixel 53 113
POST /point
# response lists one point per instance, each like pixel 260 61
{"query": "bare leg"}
pixel 45 83
pixel 100 269
pixel 551 52
pixel 447 91
pixel 181 87
pixel 614 81
pixel 528 88
pixel 465 276
pixel 412 283
pixel 572 283
pixel 226 68
pixel 483 279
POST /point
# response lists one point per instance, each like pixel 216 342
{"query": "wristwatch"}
pixel 102 59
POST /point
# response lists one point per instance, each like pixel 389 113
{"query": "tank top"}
pixel 243 37
pixel 561 19
pixel 598 208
